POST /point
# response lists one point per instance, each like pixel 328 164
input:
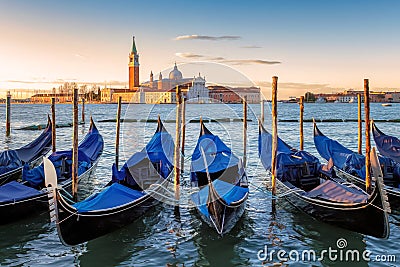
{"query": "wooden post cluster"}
pixel 75 146
pixel 53 124
pixel 244 131
pixel 301 122
pixel 177 155
pixel 8 114
pixel 274 133
pixel 367 137
pixel 118 131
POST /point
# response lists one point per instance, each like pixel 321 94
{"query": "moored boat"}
pixel 22 198
pixel 314 189
pixel 138 186
pixel 221 181
pixel 387 145
pixel 13 161
pixel 351 166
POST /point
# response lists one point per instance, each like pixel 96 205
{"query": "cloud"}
pixel 228 61
pixel 251 46
pixel 80 56
pixel 207 37
pixel 217 58
pixel 250 61
pixel 188 55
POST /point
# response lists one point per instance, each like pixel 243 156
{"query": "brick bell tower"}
pixel 133 67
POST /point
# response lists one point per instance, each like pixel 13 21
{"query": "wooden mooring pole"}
pixel 359 124
pixel 262 111
pixel 183 129
pixel 75 146
pixel 367 138
pixel 177 153
pixel 244 131
pixel 274 135
pixel 117 131
pixel 83 110
pixel 301 122
pixel 53 124
pixel 8 114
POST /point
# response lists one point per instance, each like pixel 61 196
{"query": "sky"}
pixel 319 46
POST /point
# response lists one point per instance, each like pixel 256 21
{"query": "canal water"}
pixel 165 238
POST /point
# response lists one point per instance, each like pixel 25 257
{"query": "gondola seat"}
pixel 335 192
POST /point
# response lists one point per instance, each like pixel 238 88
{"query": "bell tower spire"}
pixel 133 66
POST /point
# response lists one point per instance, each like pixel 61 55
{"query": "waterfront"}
pixel 162 237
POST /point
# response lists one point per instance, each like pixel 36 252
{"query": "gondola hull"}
pixel 24 208
pixel 365 218
pixel 231 215
pixel 392 193
pixel 75 228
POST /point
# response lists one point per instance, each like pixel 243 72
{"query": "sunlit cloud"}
pixel 251 46
pixel 228 61
pixel 250 61
pixel 188 55
pixel 207 37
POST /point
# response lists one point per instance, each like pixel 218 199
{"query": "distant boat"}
pixel 386 105
pixel 320 100
pixel 337 101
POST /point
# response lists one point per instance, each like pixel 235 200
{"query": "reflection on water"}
pixel 165 238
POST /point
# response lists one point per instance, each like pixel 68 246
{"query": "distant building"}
pixel 162 90
pixel 198 92
pixel 392 97
pixel 133 67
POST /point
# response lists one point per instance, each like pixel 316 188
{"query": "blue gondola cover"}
pixel 14 191
pixel 388 146
pixel 112 196
pixel 346 159
pixel 9 160
pixel 219 156
pixel 229 193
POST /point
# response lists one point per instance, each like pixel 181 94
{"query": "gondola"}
pixel 387 145
pixel 12 161
pixel 24 197
pixel 314 189
pixel 222 182
pixel 351 166
pixel 135 188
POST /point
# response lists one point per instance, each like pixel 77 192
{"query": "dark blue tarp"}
pixel 329 148
pixel 35 176
pixel 345 159
pixel 227 191
pixel 219 156
pixel 9 160
pixel 14 191
pixel 159 151
pixel 286 156
pixel 38 147
pixel 265 148
pixel 112 196
pixel 13 159
pixel 91 144
pixel 387 145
